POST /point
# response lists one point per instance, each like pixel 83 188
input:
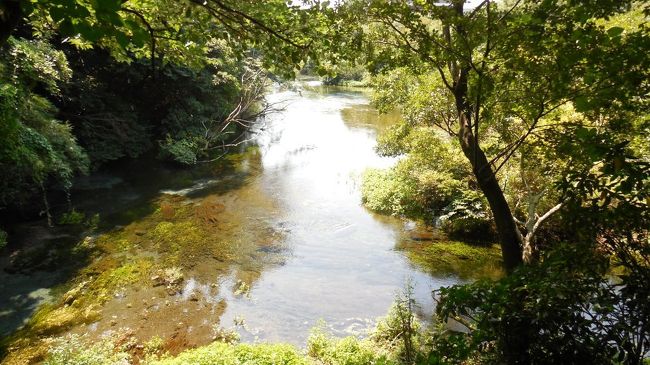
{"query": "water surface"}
pixel 343 266
pixel 269 241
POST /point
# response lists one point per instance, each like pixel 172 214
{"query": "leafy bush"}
pixel 154 347
pixel 472 229
pixel 72 217
pixel 396 339
pixel 383 191
pixel 467 218
pixel 564 310
pixel 421 184
pixel 72 350
pixel 183 151
pixel 399 331
pixel 36 149
pixel 225 354
pixel 121 110
pixel 431 182
pixel 345 351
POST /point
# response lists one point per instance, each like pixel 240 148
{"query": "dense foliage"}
pixel 37 148
pixel 86 82
pixel 475 74
pixel 547 101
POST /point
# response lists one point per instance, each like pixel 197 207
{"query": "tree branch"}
pixel 544 217
pixel 251 19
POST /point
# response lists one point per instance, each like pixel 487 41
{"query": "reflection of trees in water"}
pixel 363 116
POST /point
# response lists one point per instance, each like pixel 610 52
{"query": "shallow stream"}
pixel 266 242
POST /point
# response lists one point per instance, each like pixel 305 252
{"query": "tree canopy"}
pixel 505 72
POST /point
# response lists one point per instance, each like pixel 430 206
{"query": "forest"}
pixel 324 182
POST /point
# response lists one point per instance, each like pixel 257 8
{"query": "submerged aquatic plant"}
pixel 225 335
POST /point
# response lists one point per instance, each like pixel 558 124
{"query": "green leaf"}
pixel 581 103
pixel 614 32
pixel 122 39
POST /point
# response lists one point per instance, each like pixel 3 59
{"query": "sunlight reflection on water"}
pixel 343 267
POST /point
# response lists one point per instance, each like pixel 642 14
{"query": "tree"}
pixel 508 67
pixel 36 149
pixel 179 30
pixel 195 52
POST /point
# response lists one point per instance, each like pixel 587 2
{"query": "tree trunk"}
pixel 517 340
pixel 516 343
pixel 509 235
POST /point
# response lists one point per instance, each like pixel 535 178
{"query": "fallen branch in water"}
pixel 254 84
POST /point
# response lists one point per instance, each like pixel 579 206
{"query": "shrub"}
pixel 72 217
pixel 72 350
pixel 219 353
pixel 563 310
pixel 154 347
pixel 398 332
pixel 383 191
pixel 466 218
pixel 345 351
pixel 183 151
pixel 36 149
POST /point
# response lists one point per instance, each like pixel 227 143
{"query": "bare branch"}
pixel 544 217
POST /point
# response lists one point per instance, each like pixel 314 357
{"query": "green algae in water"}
pixel 456 258
pixel 249 159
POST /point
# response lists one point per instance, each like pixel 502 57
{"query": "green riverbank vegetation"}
pixel 396 339
pixel 85 84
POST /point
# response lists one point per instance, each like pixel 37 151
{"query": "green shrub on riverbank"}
pixel 225 354
pixel 68 111
pixel 431 182
pixel 37 149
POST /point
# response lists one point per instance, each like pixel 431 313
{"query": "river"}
pixel 343 266
pixel 268 241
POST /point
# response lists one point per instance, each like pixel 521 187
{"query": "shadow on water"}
pixel 43 262
pixel 126 192
pixel 43 259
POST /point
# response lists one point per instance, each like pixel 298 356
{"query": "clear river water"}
pixel 268 241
